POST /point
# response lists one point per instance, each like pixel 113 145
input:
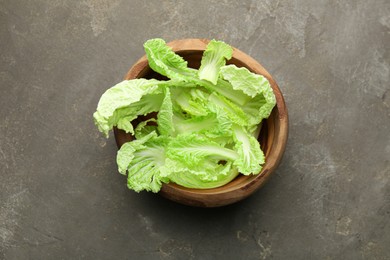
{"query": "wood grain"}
pixel 272 138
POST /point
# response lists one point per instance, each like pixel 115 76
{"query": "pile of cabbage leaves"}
pixel 207 120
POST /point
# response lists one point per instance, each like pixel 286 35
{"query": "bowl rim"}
pixel 221 196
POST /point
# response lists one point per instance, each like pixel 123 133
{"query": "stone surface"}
pixel 62 198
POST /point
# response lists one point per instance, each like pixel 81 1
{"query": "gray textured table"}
pixel 62 198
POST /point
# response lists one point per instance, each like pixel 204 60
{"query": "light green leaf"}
pixel 165 116
pixel 193 149
pixel 221 105
pixel 214 57
pixel 126 153
pixel 163 60
pixel 192 101
pixel 242 79
pixel 251 157
pixel 257 86
pixel 216 127
pixel 142 159
pixel 125 101
pixel 200 177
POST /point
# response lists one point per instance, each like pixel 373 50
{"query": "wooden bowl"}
pixel 272 138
